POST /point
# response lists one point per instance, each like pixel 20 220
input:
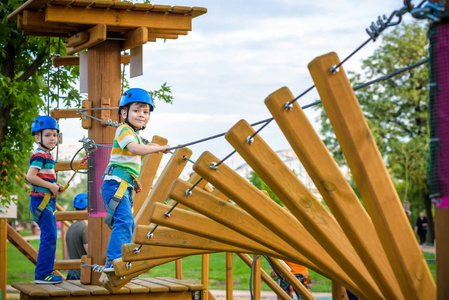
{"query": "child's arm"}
pixel 140 149
pixel 36 180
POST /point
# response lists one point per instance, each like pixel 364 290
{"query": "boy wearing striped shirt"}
pixel 44 188
pixel 124 168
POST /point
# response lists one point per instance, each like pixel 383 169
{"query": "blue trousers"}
pixel 123 227
pixel 47 246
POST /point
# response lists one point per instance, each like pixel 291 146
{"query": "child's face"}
pixel 49 138
pixel 139 114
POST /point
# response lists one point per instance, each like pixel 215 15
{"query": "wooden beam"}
pixel 124 18
pixel 135 38
pixel 71 215
pixel 69 113
pixel 22 245
pixel 372 178
pixel 272 216
pixel 77 39
pixel 172 170
pixel 35 21
pixel 229 276
pixel 335 189
pixel 156 252
pixel 162 36
pixel 123 268
pixel 3 255
pixel 65 166
pixel 301 203
pixel 97 34
pixel 58 61
pixel 256 263
pixel 147 173
pixel 240 221
pixel 174 238
pixel 67 264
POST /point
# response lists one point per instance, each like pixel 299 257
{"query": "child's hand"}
pixel 61 189
pixel 165 149
pixel 54 188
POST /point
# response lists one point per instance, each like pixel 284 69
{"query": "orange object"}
pixel 297 269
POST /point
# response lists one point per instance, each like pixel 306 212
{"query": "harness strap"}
pixel 115 201
pixel 40 209
pixel 39 189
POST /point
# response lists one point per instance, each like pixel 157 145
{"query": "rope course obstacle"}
pixel 372 252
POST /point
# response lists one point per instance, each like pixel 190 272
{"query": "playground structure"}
pixel 371 252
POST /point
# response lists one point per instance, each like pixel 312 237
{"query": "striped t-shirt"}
pixel 121 157
pixel 44 162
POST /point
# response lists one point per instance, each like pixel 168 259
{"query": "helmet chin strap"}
pixel 41 143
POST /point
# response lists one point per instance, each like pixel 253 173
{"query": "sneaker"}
pixel 108 267
pixel 50 279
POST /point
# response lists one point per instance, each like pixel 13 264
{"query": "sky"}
pixel 235 56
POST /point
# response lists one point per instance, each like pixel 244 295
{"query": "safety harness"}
pixel 37 213
pixel 127 180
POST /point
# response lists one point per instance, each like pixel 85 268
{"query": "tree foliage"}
pixel 25 78
pixel 396 110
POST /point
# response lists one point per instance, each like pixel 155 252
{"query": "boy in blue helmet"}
pixel 124 168
pixel 44 188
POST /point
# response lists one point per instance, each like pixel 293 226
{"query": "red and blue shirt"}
pixel 44 162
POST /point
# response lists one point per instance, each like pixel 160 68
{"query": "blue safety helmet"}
pixel 43 122
pixel 135 95
pixel 80 201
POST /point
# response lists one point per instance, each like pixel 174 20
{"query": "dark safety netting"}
pixel 439 114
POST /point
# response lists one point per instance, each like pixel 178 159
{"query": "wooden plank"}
pixel 172 170
pixel 162 36
pixel 58 61
pixel 67 264
pixel 137 288
pixel 153 287
pixel 338 291
pixel 102 3
pixel 86 272
pixel 191 285
pixel 239 220
pixel 200 225
pixel 97 34
pixel 30 289
pixel 71 215
pixel 114 284
pixel 81 3
pixel 272 216
pixel 302 204
pixel 173 287
pixel 161 8
pixel 174 238
pixel 147 173
pixel 135 38
pixel 92 289
pixel 21 244
pixel 54 290
pixel 123 18
pixel 335 189
pixel 372 178
pixel 266 278
pixel 122 5
pixel 181 10
pixel 77 39
pixel 154 252
pixel 123 268
pixel 3 255
pixel 35 21
pixel 198 11
pixel 75 290
pixel 30 4
pixel 65 166
pixel 69 113
pixel 86 122
pixel 142 6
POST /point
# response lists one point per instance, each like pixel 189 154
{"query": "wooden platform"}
pixel 140 288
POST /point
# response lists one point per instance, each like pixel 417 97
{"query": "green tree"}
pixel 24 74
pixel 396 111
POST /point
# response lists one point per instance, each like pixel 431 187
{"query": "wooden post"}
pixel 104 82
pixel 3 251
pixel 229 277
pixel 178 269
pixel 338 292
pixel 205 275
pixel 256 278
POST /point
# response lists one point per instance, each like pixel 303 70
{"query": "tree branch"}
pixel 33 68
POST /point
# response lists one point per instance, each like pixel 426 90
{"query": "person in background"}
pixel 76 236
pixel 421 229
pixel 300 272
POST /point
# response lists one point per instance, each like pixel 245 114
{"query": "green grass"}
pixel 20 269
